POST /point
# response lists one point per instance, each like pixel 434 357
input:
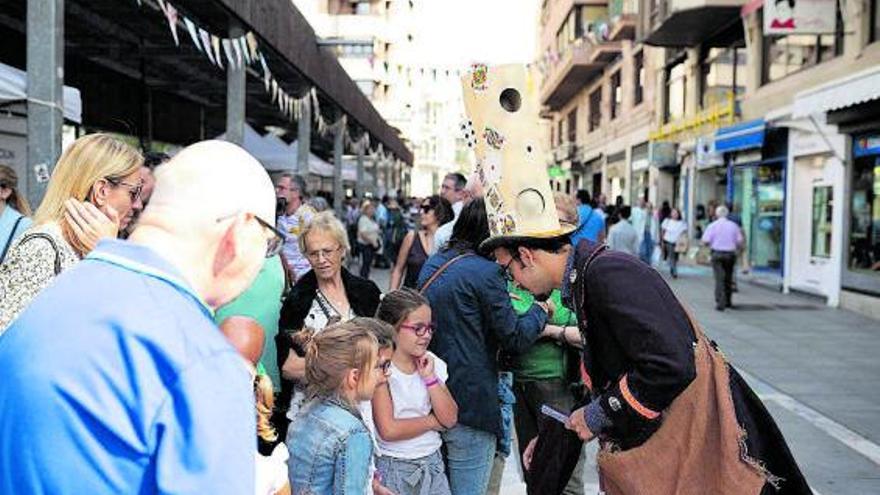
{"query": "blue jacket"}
pixel 330 451
pixel 474 318
pixel 590 225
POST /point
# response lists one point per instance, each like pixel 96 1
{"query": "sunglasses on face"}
pixel 427 207
pixel 420 330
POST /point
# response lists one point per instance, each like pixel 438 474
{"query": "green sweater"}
pixel 547 359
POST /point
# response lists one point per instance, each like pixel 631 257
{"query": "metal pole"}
pixel 236 94
pixel 376 165
pixel 361 180
pixel 304 139
pixel 338 144
pixel 45 82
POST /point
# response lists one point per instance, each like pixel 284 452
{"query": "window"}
pixel 864 237
pixel 639 78
pixel 720 73
pixel 559 132
pixel 875 20
pixel 572 125
pixel 595 109
pixel 676 87
pixel 784 55
pixel 823 203
pixel 616 95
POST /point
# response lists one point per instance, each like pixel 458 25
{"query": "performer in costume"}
pixel 671 415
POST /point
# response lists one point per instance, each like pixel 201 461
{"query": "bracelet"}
pixel 430 383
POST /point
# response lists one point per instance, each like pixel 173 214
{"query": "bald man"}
pixel 116 379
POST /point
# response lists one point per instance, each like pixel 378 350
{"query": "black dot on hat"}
pixel 510 100
pixel 529 148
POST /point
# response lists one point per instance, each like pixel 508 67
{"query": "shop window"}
pixel 864 237
pixel 572 125
pixel 721 72
pixel 823 203
pixel 639 78
pixel 786 54
pixel 676 91
pixel 616 95
pixel 595 109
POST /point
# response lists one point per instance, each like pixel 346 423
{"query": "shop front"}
pixel 615 173
pixel 640 174
pixel 756 159
pixel 710 183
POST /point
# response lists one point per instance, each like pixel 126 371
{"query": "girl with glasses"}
pixel 418 245
pixel 414 406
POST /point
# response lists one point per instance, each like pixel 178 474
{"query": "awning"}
pixel 847 91
pixel 743 136
pixel 13 87
pixel 274 155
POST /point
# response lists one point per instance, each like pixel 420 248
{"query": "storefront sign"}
pixel 662 154
pixel 808 143
pixel 707 157
pixel 866 145
pixel 799 16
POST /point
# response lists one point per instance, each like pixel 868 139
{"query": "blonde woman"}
pixel 93 193
pixel 14 210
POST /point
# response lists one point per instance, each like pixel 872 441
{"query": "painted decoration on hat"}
pixel 493 138
pixel 491 166
pixel 479 77
pixel 467 131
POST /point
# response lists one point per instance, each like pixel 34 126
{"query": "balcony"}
pixel 577 67
pixel 687 23
pixel 624 18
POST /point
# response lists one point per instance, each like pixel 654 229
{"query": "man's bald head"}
pixel 203 218
pixel 210 180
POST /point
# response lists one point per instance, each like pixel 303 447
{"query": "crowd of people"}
pixel 184 324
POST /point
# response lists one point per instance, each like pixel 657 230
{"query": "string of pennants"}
pixel 241 52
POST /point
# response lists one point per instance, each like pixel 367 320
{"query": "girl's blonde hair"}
pixel 9 180
pixel 86 161
pixel 333 352
pixel 265 401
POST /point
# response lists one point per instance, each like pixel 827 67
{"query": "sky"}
pixel 456 33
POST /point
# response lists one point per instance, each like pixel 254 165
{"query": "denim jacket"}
pixel 474 318
pixel 330 450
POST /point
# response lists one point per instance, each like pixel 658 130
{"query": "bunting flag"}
pixel 266 74
pixel 237 49
pixel 252 45
pixel 206 44
pixel 274 90
pixel 215 44
pixel 227 50
pixel 171 16
pixel 191 28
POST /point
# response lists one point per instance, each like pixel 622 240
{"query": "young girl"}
pixel 333 448
pixel 272 454
pixel 415 405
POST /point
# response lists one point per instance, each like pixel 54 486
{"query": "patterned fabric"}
pixel 292 226
pixel 29 268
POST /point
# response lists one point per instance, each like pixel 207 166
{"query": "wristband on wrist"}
pixel 430 382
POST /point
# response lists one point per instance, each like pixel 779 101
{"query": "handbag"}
pixel 682 244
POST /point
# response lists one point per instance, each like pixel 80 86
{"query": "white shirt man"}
pixel 453 189
pixel 622 236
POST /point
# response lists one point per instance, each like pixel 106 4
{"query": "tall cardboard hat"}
pixel 502 107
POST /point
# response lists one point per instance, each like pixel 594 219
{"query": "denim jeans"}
pixel 469 455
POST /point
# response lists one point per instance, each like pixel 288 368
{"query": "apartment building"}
pixel 783 127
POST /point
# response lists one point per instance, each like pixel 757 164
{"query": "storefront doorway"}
pixel 758 199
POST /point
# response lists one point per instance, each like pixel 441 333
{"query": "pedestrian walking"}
pixel 591 224
pixel 137 388
pixel 328 292
pixel 415 404
pixel 14 210
pixel 332 448
pixel 622 236
pixel 418 245
pixel 724 238
pixel 673 231
pixel 293 215
pixel 368 236
pixel 93 194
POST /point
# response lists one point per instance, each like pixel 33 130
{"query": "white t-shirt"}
pixel 410 399
pixel 271 472
pixel 674 229
pixel 366 409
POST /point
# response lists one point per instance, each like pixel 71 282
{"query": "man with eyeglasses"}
pixel 293 213
pixel 139 387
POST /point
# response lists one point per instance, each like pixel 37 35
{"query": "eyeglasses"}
pixel 420 330
pixel 315 256
pixel 505 270
pixel 427 207
pixel 275 243
pixel 134 190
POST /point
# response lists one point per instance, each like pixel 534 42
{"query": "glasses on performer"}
pixel 420 330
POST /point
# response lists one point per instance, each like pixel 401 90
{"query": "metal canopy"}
pixel 124 60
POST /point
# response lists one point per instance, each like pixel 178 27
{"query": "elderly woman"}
pixel 417 246
pixel 94 192
pixel 326 294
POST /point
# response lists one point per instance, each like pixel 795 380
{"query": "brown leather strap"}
pixel 440 270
